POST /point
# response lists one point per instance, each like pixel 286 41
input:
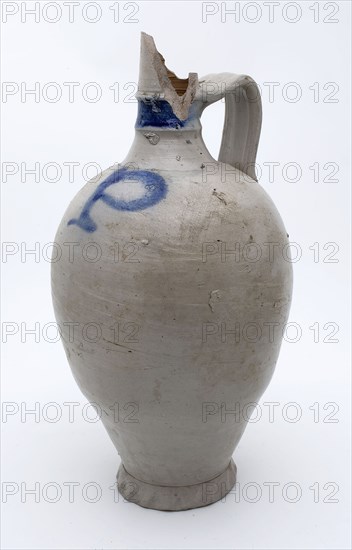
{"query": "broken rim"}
pixel 157 81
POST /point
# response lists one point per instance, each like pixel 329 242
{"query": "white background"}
pixel 312 52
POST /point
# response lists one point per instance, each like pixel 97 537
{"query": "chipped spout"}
pixel 158 82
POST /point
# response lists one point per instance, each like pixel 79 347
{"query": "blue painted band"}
pixel 158 113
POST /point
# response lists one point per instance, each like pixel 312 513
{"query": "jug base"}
pixel 175 498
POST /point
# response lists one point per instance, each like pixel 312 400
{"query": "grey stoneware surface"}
pixel 183 211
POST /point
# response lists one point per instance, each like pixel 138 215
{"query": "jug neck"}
pixel 163 141
pixel 168 129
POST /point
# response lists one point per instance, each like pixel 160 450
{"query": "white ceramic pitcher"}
pixel 175 293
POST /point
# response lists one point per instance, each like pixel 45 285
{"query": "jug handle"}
pixel 243 117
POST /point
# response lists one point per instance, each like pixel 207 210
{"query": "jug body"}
pixel 179 292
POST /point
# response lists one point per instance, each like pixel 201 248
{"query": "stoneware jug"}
pixel 175 293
